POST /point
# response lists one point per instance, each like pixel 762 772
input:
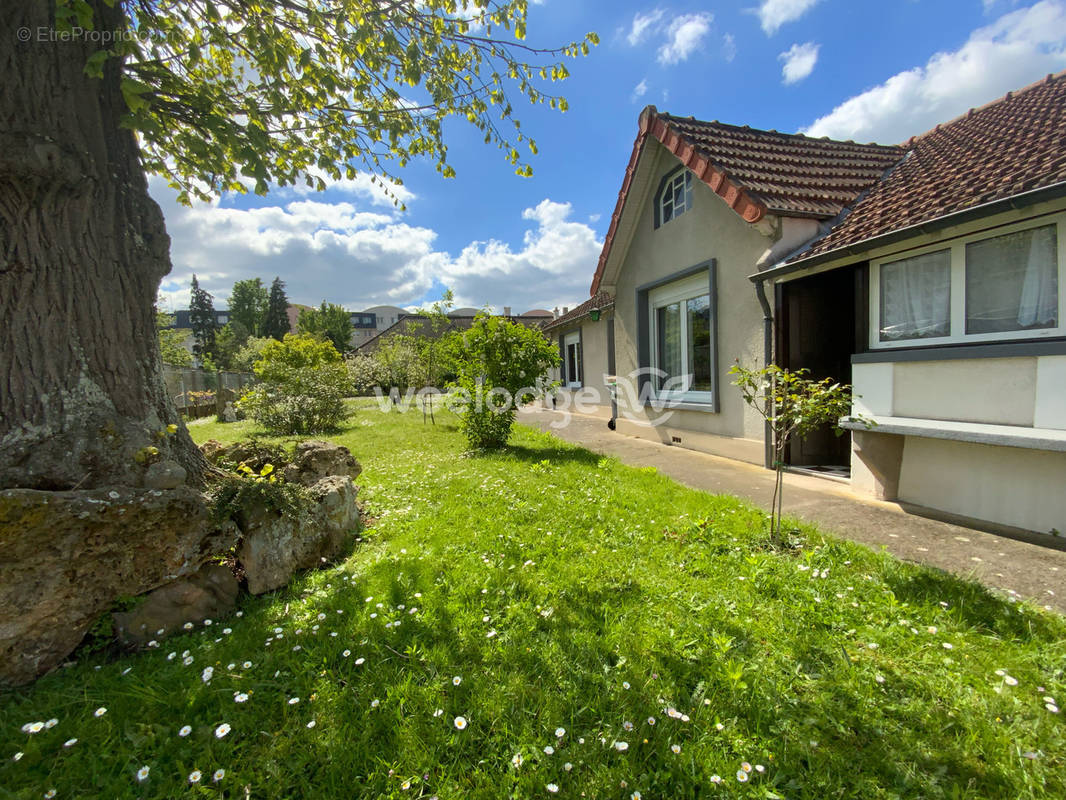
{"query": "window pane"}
pixel 916 297
pixel 698 330
pixel 668 210
pixel 1012 282
pixel 668 330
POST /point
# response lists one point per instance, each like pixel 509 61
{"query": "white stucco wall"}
pixel 1010 397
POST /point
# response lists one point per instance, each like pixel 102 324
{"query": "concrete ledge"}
pixel 975 432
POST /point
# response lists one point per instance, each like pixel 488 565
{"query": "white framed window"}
pixel 986 287
pixel 675 196
pixel 572 371
pixel 681 328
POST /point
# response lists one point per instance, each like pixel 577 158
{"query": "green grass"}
pixel 567 591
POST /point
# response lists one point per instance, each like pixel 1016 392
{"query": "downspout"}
pixel 768 358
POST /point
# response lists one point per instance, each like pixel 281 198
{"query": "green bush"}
pixel 302 386
pixel 366 373
pixel 499 365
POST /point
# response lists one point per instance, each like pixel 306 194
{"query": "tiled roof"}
pixel 758 172
pixel 1013 145
pixel 789 174
pixel 601 300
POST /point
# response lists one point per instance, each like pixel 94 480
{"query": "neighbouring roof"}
pixel 758 172
pixel 600 300
pixel 1010 146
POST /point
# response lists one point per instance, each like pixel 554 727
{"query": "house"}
pixel 584 333
pixel 929 275
pixel 424 325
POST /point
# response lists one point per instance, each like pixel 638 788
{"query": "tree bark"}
pixel 82 251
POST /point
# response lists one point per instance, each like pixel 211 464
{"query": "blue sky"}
pixel 850 69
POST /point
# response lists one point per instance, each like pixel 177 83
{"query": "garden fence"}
pixel 203 393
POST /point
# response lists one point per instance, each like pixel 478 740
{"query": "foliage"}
pixel 229 340
pixel 276 321
pixel 252 351
pixel 611 594
pixel 499 365
pixel 329 321
pixel 793 406
pixel 248 305
pixel 303 383
pixel 259 487
pixel 366 373
pixel 220 92
pixel 170 341
pixel 202 321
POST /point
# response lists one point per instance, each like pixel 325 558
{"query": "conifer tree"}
pixel 276 322
pixel 202 320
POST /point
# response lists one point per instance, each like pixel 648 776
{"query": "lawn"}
pixel 545 621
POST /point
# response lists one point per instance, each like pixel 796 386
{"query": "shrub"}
pixel 303 382
pixel 499 364
pixel 366 372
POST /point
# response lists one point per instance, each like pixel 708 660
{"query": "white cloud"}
pixel 1013 51
pixel 799 61
pixel 775 13
pixel 643 24
pixel 729 47
pixel 639 90
pixel 684 36
pixel 337 252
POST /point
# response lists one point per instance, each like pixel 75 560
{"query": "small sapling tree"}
pixel 499 364
pixel 793 405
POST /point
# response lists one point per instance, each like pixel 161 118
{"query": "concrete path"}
pixel 1035 571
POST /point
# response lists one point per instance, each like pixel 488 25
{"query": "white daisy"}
pixel 70 742
pixel 568 766
pixel 142 773
pixel 185 731
pixel 194 776
pixel 311 724
pixel 675 748
pixel 100 712
pixel 621 747
pixel 549 750
pixel 457 680
pixel 51 723
pixel 551 787
pixel 516 760
pixel 218 775
pixel 240 697
pixel 560 733
pixel 222 730
pixel 293 701
pixel 742 776
pixel 460 723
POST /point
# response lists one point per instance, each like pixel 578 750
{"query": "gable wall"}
pixel 710 230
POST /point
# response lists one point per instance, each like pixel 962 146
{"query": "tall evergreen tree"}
pixel 276 321
pixel 202 320
pixel 248 305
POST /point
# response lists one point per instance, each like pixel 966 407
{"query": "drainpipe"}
pixel 768 357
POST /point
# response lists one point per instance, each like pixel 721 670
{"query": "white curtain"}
pixel 1012 282
pixel 916 297
pixel 1040 289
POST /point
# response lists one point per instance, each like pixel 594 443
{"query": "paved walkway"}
pixel 1032 570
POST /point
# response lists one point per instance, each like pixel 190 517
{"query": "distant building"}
pixel 182 319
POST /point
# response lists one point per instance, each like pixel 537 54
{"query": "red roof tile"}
pixel 1013 145
pixel 758 172
pixel 599 300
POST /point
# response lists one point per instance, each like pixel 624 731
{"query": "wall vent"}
pixel 675 439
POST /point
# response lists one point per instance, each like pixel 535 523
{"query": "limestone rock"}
pixel 164 475
pixel 66 556
pixel 210 593
pixel 315 460
pixel 275 547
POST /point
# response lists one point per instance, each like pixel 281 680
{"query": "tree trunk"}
pixel 82 251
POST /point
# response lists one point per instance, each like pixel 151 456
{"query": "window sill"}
pixel 972 432
pixel 1012 349
pixel 681 405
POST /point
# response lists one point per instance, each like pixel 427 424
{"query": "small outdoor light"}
pixel 594 315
